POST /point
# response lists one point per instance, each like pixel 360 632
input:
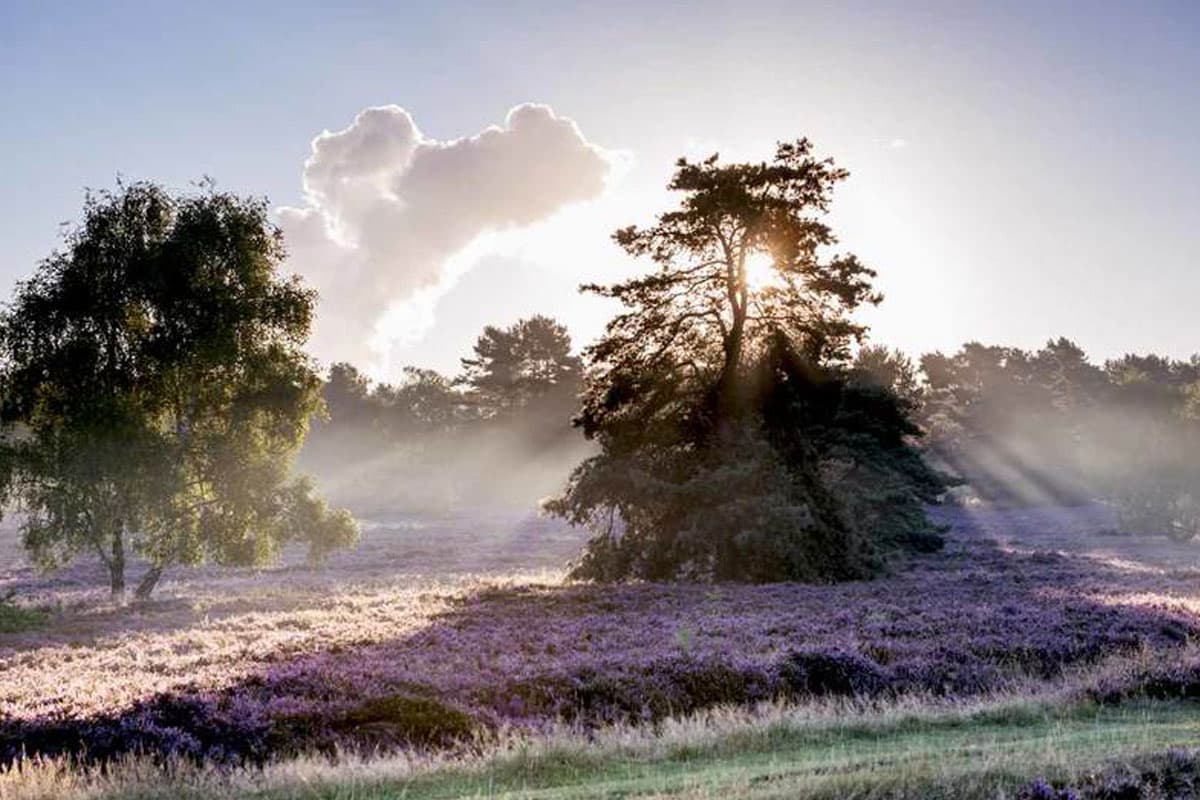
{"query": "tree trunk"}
pixel 728 399
pixel 116 565
pixel 147 583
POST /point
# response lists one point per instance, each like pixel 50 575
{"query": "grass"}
pixel 909 756
pixel 985 751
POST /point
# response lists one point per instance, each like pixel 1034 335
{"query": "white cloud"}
pixel 391 216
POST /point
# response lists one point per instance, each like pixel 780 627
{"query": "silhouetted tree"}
pixel 155 389
pixel 513 366
pixel 700 310
pixel 347 394
pixel 695 478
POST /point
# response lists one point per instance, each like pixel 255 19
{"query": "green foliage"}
pixel 526 369
pixel 515 366
pixel 363 415
pixel 732 443
pixel 737 511
pixel 15 618
pixel 858 422
pixel 155 390
pixel 411 720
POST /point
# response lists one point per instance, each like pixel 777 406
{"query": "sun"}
pixel 760 271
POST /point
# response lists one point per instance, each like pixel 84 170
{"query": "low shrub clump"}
pixel 15 618
pixel 1165 679
pixel 227 729
pixel 408 720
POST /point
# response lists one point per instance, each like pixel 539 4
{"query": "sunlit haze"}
pixel 439 399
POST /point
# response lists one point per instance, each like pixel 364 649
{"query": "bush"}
pixel 1041 790
pixel 404 719
pixel 832 673
pixel 1148 506
pixel 15 618
pixel 737 512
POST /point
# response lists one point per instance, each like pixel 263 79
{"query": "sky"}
pixel 1019 171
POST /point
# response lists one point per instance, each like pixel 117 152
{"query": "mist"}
pixel 499 436
pixel 504 465
pixel 1052 427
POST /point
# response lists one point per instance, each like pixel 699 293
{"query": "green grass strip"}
pixel 902 757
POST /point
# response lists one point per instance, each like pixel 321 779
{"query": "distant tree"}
pixel 1073 382
pixel 876 365
pixel 991 415
pixel 1152 370
pixel 155 390
pixel 1052 427
pixel 424 402
pixel 499 433
pixel 347 394
pixel 1153 429
pixel 693 479
pixel 513 366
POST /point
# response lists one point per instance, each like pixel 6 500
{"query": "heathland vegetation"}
pixel 796 562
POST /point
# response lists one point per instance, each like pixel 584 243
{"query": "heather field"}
pixel 1059 628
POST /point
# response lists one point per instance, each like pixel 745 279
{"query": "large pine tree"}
pixel 694 391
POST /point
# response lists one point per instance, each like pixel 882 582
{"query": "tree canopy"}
pixel 717 394
pixel 155 389
pixel 515 366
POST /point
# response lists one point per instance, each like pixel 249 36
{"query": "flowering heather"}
pixel 1173 775
pixel 249 676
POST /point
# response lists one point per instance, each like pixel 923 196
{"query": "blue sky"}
pixel 1019 171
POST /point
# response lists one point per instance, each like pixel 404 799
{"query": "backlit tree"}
pixel 155 390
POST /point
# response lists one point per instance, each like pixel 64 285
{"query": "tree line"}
pixel 496 434
pixel 1051 426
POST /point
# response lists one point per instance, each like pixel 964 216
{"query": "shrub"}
pixel 832 673
pixel 404 719
pixel 15 618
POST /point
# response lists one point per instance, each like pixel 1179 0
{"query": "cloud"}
pixel 391 216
